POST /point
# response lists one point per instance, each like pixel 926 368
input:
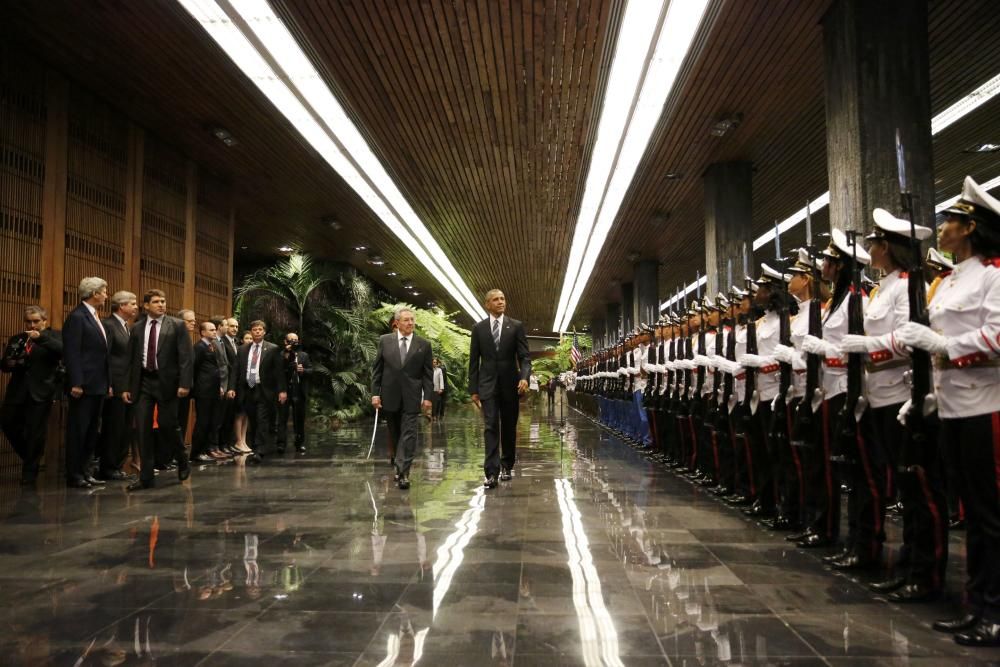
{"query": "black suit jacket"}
pixel 118 353
pixel 299 382
pixel 271 370
pixel 402 386
pixel 174 356
pixel 494 373
pixel 211 371
pixel 35 375
pixel 85 352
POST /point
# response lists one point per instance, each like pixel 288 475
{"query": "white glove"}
pixel 702 360
pixel 855 343
pixel 668 366
pixel 786 354
pixel 918 335
pixel 730 367
pixel 623 372
pixel 904 412
pixel 684 365
pixel 813 345
pixel 752 361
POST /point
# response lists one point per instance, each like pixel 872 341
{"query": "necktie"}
pixel 151 347
pixel 496 333
pixel 252 380
pixel 402 350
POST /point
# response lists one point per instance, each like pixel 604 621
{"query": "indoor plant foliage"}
pixel 559 362
pixel 339 316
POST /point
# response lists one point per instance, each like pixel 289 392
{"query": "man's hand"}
pixel 33 335
pixel 76 392
pixel 522 386
pixel 426 406
pixel 127 397
pixel 231 394
pixel 300 369
pixel 377 402
pixel 182 392
pixel 282 397
pixel 440 391
pixel 475 399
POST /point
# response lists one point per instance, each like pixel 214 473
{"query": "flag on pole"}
pixel 574 351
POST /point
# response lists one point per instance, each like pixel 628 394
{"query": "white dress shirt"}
pixel 251 367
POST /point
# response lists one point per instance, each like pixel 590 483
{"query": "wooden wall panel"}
pixel 22 174
pixel 95 195
pixel 163 223
pixel 212 263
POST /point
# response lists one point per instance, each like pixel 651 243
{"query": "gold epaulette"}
pixel 933 288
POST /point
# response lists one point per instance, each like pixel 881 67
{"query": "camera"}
pixel 292 344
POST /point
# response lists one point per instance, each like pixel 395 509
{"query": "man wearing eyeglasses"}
pixel 32 359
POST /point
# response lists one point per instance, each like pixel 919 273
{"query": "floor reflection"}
pixel 592 555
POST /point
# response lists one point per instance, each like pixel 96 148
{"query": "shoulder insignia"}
pixel 992 261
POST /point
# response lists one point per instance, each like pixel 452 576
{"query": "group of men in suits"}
pixel 499 367
pixel 131 376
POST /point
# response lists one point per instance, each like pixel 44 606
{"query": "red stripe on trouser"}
pixel 938 524
pixel 796 460
pixel 694 442
pixel 828 469
pixel 746 445
pixel 872 488
pixel 996 448
pixel 715 452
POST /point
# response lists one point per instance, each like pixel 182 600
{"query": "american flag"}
pixel 574 352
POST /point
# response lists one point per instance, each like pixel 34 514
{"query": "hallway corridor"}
pixel 590 556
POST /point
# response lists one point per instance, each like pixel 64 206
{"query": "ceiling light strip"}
pixel 361 171
pixel 639 85
pixel 949 116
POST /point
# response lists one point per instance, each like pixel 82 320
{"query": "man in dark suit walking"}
pixel 32 359
pixel 116 420
pixel 160 374
pixel 229 348
pixel 499 368
pixel 261 387
pixel 402 384
pixel 212 378
pixel 85 355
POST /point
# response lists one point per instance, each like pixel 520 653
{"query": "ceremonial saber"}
pixel 374 430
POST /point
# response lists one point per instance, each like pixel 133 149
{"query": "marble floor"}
pixel 592 555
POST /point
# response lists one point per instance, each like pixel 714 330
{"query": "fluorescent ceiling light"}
pixel 261 46
pixel 955 112
pixel 639 84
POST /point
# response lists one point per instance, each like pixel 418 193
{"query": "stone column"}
pixel 647 304
pixel 877 82
pixel 612 323
pixel 728 208
pixel 628 306
pixel 597 331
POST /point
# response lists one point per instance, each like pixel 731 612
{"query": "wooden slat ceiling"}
pixel 484 114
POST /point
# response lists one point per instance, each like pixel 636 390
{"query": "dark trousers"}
pixel 81 434
pixel 793 489
pixel 26 425
pixel 403 432
pixel 439 403
pixel 167 433
pixel 500 417
pixel 974 443
pixel 183 414
pixel 868 479
pixel 260 417
pixel 296 405
pixel 920 481
pixel 823 475
pixel 208 413
pixel 116 434
pixel 227 433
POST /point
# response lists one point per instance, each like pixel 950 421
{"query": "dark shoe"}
pixel 915 593
pixel 183 472
pixel 139 485
pixel 784 523
pixel 280 449
pixel 798 537
pixel 300 449
pixel 959 624
pixel 738 501
pixel 855 562
pixel 843 553
pixel 956 524
pixel 78 484
pixel 204 458
pixel 254 459
pixel 404 482
pixel 887 586
pixel 814 541
pixel 984 633
pixel 490 482
pixel 504 475
pixel 93 481
pixel 113 476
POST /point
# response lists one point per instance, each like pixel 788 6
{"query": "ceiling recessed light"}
pixel 407 284
pixel 432 304
pixel 415 292
pixel 243 247
pixel 392 274
pixel 725 125
pixel 224 136
pixel 360 248
pixel 674 175
pixel 286 248
pixel 376 260
pixel 983 148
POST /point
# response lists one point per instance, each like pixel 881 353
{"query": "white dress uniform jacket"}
pixel 888 309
